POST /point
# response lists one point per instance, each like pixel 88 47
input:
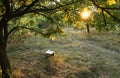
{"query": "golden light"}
pixel 85 15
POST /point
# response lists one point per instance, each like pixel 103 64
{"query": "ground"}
pixel 77 55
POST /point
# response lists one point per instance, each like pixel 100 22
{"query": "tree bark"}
pixel 88 29
pixel 4 61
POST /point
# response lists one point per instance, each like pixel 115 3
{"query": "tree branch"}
pixel 105 9
pixel 104 18
pixel 23 27
pixel 13 29
pixel 7 6
pixel 113 8
pixel 18 13
pixel 112 15
pixel 30 10
pixel 31 5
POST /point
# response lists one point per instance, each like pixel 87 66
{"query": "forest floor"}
pixel 77 55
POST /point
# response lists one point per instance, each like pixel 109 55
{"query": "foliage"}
pixel 58 13
pixel 106 10
pixel 111 2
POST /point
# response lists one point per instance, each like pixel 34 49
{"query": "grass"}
pixel 78 55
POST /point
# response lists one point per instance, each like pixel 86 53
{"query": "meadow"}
pixel 77 55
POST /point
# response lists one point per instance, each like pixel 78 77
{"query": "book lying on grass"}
pixel 49 53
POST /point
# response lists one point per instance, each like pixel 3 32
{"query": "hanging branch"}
pixel 105 22
pixel 113 8
pixel 105 9
pixel 112 15
pixel 23 27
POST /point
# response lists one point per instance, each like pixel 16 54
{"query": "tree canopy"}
pixel 60 12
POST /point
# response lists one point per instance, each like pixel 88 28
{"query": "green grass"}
pixel 78 55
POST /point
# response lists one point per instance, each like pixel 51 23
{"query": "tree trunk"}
pixel 88 29
pixel 4 61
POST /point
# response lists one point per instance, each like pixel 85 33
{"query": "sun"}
pixel 85 15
